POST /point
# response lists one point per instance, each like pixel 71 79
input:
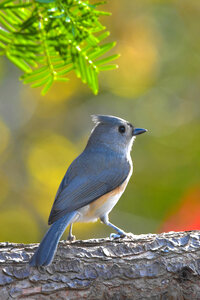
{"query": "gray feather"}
pixel 89 177
pixel 107 119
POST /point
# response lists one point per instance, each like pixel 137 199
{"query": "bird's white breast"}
pixel 102 205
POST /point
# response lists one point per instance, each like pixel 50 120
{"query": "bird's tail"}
pixel 47 248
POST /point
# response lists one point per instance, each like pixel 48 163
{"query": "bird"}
pixel 92 185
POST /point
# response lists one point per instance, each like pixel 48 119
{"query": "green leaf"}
pixel 40 83
pixel 3 38
pixel 19 63
pixel 94 80
pixel 14 20
pixel 3 47
pixel 103 36
pixel 89 75
pixel 5 22
pixel 59 36
pixel 92 40
pixel 5 2
pixel 73 30
pixel 107 59
pixel 5 33
pixel 82 68
pixel 35 72
pixel 103 13
pixel 102 50
pixel 47 86
pixel 15 6
pixel 60 65
pixel 29 23
pixel 36 77
pixel 45 1
pixel 107 67
pixel 65 71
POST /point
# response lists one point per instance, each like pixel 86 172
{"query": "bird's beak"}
pixel 137 131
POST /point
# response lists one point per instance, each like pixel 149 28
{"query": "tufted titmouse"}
pixel 93 183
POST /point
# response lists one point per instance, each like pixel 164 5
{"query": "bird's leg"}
pixel 71 237
pixel 120 232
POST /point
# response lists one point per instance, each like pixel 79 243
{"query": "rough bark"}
pixel 163 266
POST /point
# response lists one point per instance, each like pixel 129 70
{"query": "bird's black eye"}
pixel 122 129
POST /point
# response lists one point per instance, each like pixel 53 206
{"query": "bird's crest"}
pixel 107 119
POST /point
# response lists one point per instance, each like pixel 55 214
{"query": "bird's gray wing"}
pixel 78 190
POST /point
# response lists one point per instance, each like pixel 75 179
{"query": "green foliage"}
pixel 48 39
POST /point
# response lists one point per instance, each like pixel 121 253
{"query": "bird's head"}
pixel 113 132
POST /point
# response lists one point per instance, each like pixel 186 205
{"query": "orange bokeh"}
pixel 187 216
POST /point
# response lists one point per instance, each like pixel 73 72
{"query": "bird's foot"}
pixel 117 235
pixel 71 238
pixel 123 235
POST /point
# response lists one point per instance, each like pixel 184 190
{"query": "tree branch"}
pixel 163 266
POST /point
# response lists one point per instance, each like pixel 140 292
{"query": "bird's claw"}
pixel 122 235
pixel 117 235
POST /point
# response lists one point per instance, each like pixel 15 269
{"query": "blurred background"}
pixel 157 86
